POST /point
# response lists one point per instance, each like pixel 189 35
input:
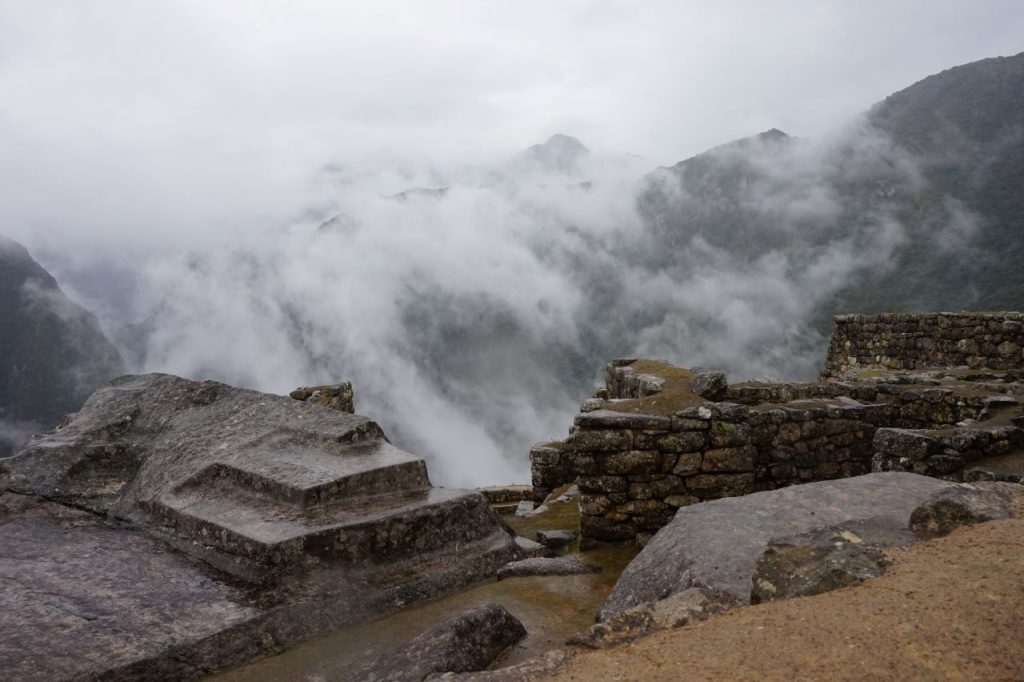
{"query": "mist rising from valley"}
pixel 306 197
pixel 473 320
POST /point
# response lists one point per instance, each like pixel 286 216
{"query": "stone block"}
pixel 709 385
pixel 556 538
pixel 632 462
pixel 594 504
pixel 1008 350
pixel 728 460
pixel 691 423
pixel 681 500
pixel 729 434
pixel 788 433
pixel 711 486
pixel 963 504
pixel 601 528
pixel 905 443
pixel 688 463
pixel 603 484
pixel 687 441
pixel 641 507
pixel 656 488
pixel 600 440
pixel 609 419
pixel 545 455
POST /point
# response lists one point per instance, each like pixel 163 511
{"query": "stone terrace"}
pixel 658 437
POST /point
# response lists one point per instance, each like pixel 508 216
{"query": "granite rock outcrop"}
pixel 302 518
pixel 717 544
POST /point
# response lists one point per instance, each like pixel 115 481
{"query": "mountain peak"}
pixel 770 140
pixel 560 152
pixel 773 135
pixel 563 141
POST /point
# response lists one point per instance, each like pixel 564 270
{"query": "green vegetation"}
pixel 674 396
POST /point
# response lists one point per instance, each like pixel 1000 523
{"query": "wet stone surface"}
pixel 226 523
pixel 556 539
pixel 468 642
pixel 717 544
pixel 567 565
pixel 689 606
pixel 80 594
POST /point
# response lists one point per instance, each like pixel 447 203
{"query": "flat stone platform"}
pixel 80 595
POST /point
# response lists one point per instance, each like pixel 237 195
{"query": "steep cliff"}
pixel 53 353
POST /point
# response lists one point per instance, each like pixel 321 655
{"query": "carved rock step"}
pixel 307 477
pixel 268 537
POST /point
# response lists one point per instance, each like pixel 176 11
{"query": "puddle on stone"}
pixel 550 607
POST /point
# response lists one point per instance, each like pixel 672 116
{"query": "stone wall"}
pixel 635 469
pixel 951 453
pixel 921 340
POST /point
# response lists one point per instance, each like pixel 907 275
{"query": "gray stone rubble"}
pixel 963 505
pixel 682 608
pixel 465 643
pixel 568 565
pixel 825 559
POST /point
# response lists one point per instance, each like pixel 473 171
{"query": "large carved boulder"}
pixel 305 517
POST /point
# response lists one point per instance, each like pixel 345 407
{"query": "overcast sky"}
pixel 116 115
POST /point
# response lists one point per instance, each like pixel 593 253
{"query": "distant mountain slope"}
pixel 965 129
pixel 52 352
pixel 714 196
pixel 926 195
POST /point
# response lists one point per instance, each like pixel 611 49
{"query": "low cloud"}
pixel 14 435
pixel 472 321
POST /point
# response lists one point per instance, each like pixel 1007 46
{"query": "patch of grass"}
pixel 675 395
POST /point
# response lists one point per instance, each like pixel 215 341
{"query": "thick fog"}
pixel 308 193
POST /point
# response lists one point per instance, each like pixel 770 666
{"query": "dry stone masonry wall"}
pixel 636 468
pixel 917 341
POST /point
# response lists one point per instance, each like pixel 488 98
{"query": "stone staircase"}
pixel 282 511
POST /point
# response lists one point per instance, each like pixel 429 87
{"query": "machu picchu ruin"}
pixel 547 342
pixel 934 394
pixel 292 517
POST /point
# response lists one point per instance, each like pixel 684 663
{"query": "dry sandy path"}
pixel 948 609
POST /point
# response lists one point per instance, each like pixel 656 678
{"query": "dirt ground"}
pixel 948 609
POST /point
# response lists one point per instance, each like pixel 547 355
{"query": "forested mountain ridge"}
pixel 933 175
pixel 53 354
